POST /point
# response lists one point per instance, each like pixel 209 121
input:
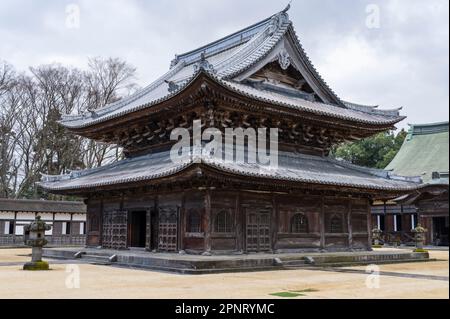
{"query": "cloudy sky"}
pixel 392 53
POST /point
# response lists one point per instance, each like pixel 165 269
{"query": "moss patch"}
pixel 39 265
pixel 293 293
pixel 420 250
pixel 305 290
pixel 286 294
pixel 377 246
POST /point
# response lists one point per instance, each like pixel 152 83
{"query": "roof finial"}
pixel 287 7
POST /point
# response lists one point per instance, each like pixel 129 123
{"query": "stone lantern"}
pixel 376 236
pixel 36 239
pixel 419 236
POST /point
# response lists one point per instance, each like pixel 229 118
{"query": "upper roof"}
pixel 230 61
pixel 41 206
pixel 299 168
pixel 424 152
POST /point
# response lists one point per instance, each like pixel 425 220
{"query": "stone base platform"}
pixel 197 264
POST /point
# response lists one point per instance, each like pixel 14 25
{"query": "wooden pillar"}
pixel 148 229
pixel 322 222
pixel 349 224
pixel 71 229
pixel 182 222
pixel 369 226
pixel 274 223
pixel 207 221
pixel 238 224
pixel 100 223
pixel 14 228
pixel 53 225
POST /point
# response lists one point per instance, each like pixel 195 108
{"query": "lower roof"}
pixel 41 206
pixel 291 168
pixel 424 152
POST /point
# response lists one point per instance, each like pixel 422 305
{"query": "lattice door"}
pixel 258 231
pixel 168 230
pixel 114 235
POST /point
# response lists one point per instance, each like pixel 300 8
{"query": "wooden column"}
pixel 274 223
pixel 207 221
pixel 369 226
pixel 322 222
pixel 238 224
pixel 148 229
pixel 182 228
pixel 349 224
pixel 100 224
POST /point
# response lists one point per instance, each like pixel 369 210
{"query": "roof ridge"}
pixel 240 37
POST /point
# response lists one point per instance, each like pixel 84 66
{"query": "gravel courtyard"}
pixel 407 280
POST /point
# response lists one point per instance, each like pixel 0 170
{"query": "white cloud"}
pixel 404 63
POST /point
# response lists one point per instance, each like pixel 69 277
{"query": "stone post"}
pixel 376 235
pixel 36 239
pixel 419 236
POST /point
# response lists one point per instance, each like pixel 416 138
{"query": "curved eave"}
pixel 202 77
pixel 399 188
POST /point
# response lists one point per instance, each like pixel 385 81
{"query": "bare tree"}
pixel 32 141
pixel 107 79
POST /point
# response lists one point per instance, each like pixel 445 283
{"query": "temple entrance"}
pixel 258 230
pixel 440 231
pixel 137 229
pixel 168 230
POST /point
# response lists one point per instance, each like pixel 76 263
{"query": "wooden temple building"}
pixel 424 153
pixel 259 77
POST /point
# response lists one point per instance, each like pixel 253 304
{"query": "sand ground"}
pixel 407 280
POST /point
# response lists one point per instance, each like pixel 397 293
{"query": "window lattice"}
pixel 336 225
pixel 299 224
pixel 223 222
pixel 194 222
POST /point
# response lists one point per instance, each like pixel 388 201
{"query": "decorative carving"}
pixel 172 86
pixel 174 62
pixel 204 64
pixel 284 59
pixel 277 22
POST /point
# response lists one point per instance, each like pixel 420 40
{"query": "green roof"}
pixel 424 152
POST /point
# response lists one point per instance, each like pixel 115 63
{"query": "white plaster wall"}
pixel 61 216
pixel 79 217
pixel 25 216
pixel 6 215
pixel 46 216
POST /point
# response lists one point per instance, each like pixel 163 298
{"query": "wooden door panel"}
pixel 114 232
pixel 258 230
pixel 168 230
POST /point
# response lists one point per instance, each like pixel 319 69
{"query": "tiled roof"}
pixel 291 168
pixel 227 58
pixel 424 152
pixel 42 206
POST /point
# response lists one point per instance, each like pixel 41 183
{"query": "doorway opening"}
pixel 440 231
pixel 137 229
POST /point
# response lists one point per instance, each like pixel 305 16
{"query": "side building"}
pixel 425 154
pixel 68 221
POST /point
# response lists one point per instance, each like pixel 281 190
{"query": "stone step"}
pixel 295 262
pixel 96 259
